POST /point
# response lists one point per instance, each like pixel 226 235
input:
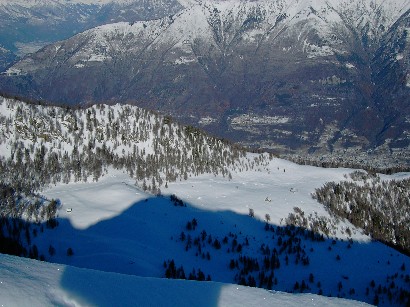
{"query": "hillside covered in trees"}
pixel 45 145
pixel 42 145
pixel 380 207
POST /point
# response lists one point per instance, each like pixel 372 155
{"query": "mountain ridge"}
pixel 29 25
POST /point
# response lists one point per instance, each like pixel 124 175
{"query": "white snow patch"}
pixel 13 72
pixel 206 120
pixel 184 60
pixel 251 119
pixel 111 195
pixel 253 34
pixel 314 51
pixel 98 58
pixel 187 3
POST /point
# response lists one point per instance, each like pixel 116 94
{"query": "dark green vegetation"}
pixel 381 208
pixel 21 219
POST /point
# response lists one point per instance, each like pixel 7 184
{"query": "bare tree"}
pixel 251 212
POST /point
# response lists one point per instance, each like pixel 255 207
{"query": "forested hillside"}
pixel 42 145
pixel 380 207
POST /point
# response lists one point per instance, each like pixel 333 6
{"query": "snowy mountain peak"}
pixel 31 3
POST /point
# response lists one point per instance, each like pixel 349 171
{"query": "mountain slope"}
pixel 301 76
pixel 81 187
pixel 29 25
pixel 42 145
pixel 393 74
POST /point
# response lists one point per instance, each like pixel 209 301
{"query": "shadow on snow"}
pixel 143 239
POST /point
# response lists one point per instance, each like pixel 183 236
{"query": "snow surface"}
pixel 115 227
pixel 250 119
pixel 25 282
pixel 199 20
pixel 285 183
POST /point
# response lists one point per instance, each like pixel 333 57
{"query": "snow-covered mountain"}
pixel 312 76
pixel 117 189
pixel 29 25
pixel 56 144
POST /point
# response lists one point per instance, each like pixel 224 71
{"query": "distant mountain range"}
pixel 28 25
pixel 312 77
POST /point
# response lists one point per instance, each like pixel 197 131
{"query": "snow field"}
pixel 115 227
pixel 26 282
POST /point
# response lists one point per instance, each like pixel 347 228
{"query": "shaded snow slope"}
pixel 115 227
pixel 26 282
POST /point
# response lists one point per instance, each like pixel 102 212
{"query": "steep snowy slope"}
pixel 31 3
pixel 285 75
pixel 371 18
